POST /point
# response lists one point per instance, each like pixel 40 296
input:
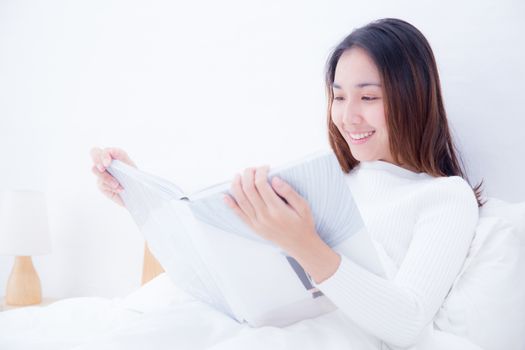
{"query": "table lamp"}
pixel 24 231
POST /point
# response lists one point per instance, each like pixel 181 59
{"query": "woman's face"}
pixel 357 108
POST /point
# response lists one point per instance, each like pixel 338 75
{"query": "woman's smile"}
pixel 360 138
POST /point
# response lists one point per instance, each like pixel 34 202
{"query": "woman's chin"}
pixel 363 157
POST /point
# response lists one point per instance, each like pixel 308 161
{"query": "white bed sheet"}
pixel 176 322
pixel 160 316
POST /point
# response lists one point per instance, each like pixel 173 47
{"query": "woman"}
pixel 388 127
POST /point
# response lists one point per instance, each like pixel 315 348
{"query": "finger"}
pixel 93 152
pixel 118 153
pixel 106 177
pixel 268 195
pixel 100 161
pixel 293 198
pixel 111 181
pixel 111 193
pixel 114 197
pixel 96 157
pixel 248 186
pixel 233 205
pixel 106 157
pixel 108 188
pixel 241 199
pixel 110 153
pixel 94 170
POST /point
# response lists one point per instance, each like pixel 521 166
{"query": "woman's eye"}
pixel 338 98
pixel 368 98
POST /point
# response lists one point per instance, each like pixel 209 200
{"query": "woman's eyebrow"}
pixel 360 85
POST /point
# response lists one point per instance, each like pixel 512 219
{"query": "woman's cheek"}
pixel 336 119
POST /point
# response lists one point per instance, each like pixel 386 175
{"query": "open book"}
pixel 208 251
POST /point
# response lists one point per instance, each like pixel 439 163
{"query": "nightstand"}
pixel 45 302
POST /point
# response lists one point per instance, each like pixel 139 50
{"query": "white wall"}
pixel 196 91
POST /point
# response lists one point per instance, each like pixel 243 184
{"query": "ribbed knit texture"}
pixel 425 225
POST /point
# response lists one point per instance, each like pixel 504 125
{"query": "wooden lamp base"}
pixel 151 268
pixel 23 286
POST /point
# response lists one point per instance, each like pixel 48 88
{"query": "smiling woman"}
pixel 383 78
pixel 389 130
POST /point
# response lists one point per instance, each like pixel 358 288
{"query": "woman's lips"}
pixel 359 141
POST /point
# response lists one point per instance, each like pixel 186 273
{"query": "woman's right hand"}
pixel 107 184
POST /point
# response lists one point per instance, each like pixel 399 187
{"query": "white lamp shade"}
pixel 24 228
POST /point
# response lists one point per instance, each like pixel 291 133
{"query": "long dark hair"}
pixel 415 116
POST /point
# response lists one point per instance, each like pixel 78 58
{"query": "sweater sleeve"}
pixel 397 310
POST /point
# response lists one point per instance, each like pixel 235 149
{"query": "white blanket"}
pixel 161 316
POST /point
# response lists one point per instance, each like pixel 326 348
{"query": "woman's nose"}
pixel 352 115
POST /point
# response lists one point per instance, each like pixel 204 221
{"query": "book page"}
pixel 262 285
pixel 168 230
pixel 319 179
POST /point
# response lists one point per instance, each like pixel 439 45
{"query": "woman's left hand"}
pixel 289 225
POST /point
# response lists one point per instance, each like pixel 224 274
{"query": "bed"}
pixel 158 315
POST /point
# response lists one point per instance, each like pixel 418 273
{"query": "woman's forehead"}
pixel 356 69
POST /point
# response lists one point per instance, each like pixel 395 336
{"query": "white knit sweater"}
pixel 425 225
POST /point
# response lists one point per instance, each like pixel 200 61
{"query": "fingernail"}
pixel 226 200
pixel 100 167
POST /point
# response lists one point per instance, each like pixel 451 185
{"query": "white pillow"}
pixel 487 301
pixel 513 212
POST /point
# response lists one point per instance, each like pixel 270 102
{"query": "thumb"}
pixel 293 198
pixel 115 153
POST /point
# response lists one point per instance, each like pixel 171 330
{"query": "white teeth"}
pixel 361 136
